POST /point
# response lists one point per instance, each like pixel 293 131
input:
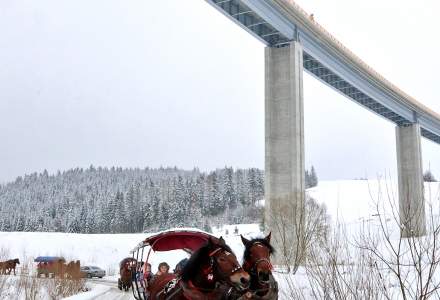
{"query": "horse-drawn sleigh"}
pixel 127 267
pixel 212 271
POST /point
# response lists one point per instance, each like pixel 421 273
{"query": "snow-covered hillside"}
pixel 350 201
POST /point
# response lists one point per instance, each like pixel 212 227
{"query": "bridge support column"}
pixel 410 180
pixel 284 153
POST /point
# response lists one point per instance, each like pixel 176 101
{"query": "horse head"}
pixel 257 258
pixel 226 265
pixel 17 261
pixel 215 263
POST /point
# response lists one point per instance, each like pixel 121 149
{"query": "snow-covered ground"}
pixel 103 250
pixel 349 201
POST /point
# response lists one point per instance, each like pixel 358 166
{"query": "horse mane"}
pixel 247 250
pixel 198 258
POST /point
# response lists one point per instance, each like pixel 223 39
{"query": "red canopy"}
pixel 177 240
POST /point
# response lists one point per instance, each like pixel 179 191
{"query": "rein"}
pixel 270 293
pixel 188 290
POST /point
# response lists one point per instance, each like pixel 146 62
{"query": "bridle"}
pixel 209 272
pixel 252 268
pixel 263 289
pixel 212 256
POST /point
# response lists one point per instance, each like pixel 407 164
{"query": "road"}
pixel 113 293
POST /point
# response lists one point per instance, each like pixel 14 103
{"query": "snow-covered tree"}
pixel 105 200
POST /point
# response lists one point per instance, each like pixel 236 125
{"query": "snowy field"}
pixel 352 201
pixel 348 202
pixel 103 250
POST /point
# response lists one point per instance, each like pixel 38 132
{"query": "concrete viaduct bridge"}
pixel 295 42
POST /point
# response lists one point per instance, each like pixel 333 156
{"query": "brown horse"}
pixel 73 270
pixel 8 266
pixel 256 261
pixel 211 273
pixel 126 267
pixel 2 268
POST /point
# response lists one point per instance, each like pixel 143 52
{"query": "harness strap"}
pixel 266 260
pixel 212 253
pixel 252 268
pixel 175 292
pixel 271 292
pixel 190 290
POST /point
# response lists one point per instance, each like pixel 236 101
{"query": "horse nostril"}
pixel 264 276
pixel 244 281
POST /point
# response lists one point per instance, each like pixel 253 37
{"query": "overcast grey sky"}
pixel 138 83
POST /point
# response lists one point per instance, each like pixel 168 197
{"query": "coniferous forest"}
pixel 117 200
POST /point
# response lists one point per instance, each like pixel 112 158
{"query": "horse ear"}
pixel 222 241
pixel 244 240
pixel 267 238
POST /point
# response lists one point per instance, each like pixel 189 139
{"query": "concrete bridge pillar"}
pixel 284 153
pixel 410 180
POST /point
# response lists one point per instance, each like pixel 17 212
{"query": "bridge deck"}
pixel 277 22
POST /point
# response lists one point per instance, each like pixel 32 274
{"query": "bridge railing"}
pixel 311 22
